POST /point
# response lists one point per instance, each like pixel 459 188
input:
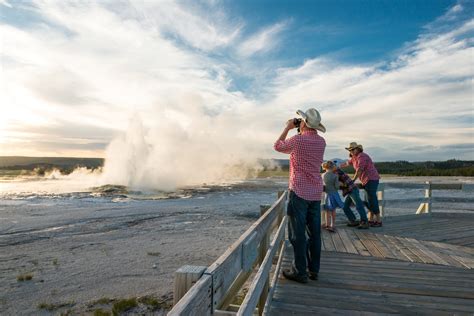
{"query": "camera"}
pixel 297 122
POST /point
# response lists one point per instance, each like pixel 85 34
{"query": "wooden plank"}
pixel 468 263
pixel 229 265
pixel 197 301
pixel 255 289
pixel 459 239
pixel 411 226
pixel 368 244
pixel 409 242
pixel 224 271
pixel 323 245
pixel 348 243
pixel 386 253
pixel 416 289
pixel 328 243
pixel 261 257
pixel 399 248
pixel 449 247
pixel 435 257
pixel 338 243
pixel 446 186
pixel 390 248
pixel 320 290
pixel 219 312
pixel 340 274
pixel 450 232
pixel 285 309
pixel 411 272
pixel 370 300
pixel 399 242
pixel 274 280
pixel 364 305
pixel 333 305
pixel 454 216
pixel 358 244
pixel 410 266
pixel 249 252
pixel 449 256
pixel 185 278
pixel 234 289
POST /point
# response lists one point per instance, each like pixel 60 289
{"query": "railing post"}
pixel 264 244
pixel 380 198
pixel 428 197
pixel 282 211
pixel 184 278
pixel 323 213
pixel 425 207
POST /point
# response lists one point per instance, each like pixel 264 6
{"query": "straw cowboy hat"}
pixel 312 119
pixel 354 145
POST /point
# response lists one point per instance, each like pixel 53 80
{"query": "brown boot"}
pixel 363 225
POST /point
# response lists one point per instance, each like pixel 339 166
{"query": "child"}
pixel 333 200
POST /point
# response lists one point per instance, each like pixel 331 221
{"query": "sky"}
pixel 90 78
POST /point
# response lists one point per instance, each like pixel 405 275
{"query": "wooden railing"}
pixel 216 286
pixel 425 206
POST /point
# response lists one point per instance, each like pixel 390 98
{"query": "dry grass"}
pixel 124 305
pixel 155 304
pixel 102 312
pixel 24 277
pixel 52 307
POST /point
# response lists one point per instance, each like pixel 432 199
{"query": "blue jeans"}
pixel 373 202
pixel 304 217
pixel 354 197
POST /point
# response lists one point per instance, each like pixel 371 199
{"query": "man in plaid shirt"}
pixel 306 186
pixel 369 177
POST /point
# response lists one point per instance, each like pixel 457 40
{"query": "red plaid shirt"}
pixel 306 156
pixel 363 163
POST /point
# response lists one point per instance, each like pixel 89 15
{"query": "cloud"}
pixel 107 68
pixel 263 41
pixel 159 83
pixel 5 3
pixel 206 27
pixel 426 91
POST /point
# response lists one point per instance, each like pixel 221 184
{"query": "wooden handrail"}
pixel 266 310
pixel 255 289
pixel 221 275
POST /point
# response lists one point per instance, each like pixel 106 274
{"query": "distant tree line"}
pixel 40 165
pixel 452 167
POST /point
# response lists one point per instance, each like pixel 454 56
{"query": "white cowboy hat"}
pixel 354 145
pixel 312 119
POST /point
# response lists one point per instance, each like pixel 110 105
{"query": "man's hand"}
pixel 290 124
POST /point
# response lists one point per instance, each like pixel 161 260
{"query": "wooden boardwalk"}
pixel 415 264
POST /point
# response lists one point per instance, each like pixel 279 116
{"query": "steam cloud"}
pixel 177 152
